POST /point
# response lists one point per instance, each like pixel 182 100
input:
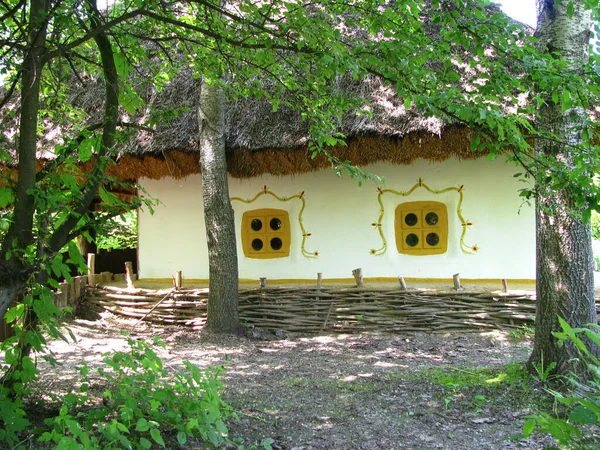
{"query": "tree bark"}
pixel 222 314
pixel 565 278
pixel 20 234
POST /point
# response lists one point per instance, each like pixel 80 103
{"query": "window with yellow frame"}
pixel 421 228
pixel 266 233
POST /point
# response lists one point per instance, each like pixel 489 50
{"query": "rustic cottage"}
pixel 441 209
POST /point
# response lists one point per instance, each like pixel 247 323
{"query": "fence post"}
pixel 91 263
pixel 178 278
pixel 129 275
pixel 457 286
pixel 358 276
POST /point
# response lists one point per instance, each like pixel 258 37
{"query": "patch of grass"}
pixel 297 382
pixel 457 378
pixel 474 387
pixel 522 334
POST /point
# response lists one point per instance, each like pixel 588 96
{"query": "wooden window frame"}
pixel 266 233
pixel 423 231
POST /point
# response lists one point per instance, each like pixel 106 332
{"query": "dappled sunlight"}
pixel 389 365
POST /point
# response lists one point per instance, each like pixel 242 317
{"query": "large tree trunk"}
pixel 218 215
pixel 565 278
pixel 20 233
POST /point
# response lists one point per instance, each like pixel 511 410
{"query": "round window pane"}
pixel 276 244
pixel 412 240
pixel 411 220
pixel 257 244
pixel 275 223
pixel 256 225
pixel 431 218
pixel 432 239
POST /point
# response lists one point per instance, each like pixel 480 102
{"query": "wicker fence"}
pixel 313 310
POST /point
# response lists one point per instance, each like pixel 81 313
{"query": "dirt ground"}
pixel 375 391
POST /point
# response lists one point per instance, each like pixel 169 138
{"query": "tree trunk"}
pixel 218 215
pixel 565 278
pixel 20 233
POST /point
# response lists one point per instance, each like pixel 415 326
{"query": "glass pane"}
pixel 431 218
pixel 411 220
pixel 275 223
pixel 412 240
pixel 256 225
pixel 432 239
pixel 257 244
pixel 276 244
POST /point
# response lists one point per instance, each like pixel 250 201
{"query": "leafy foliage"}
pixel 595 223
pixel 118 232
pixel 140 401
pixel 581 404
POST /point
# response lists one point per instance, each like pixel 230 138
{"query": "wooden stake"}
pixel 263 282
pixel 178 278
pixel 62 296
pixel 402 283
pixel 319 280
pixel 76 287
pixel 91 263
pixel 357 273
pixel 457 286
pixel 129 275
pixel 504 286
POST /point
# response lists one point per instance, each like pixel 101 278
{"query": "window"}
pixel 421 228
pixel 266 233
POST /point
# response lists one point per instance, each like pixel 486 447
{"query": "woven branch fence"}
pixel 313 310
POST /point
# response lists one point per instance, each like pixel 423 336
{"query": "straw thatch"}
pixel 261 141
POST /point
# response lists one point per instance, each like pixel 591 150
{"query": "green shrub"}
pixel 142 406
pixel 582 403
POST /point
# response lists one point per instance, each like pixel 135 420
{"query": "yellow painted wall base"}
pixel 351 280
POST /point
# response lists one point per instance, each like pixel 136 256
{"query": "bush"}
pixel 142 406
pixel 582 403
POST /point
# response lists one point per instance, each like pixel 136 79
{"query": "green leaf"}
pixel 528 427
pixel 566 100
pixel 122 64
pixel 85 150
pixel 142 425
pixel 155 433
pixel 181 438
pixel 6 197
pixel 145 443
pixel 67 443
pixel 582 415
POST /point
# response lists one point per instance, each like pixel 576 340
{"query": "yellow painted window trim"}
pixel 266 233
pixel 468 249
pixel 305 235
pixel 421 228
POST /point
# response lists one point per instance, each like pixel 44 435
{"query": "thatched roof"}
pixel 261 141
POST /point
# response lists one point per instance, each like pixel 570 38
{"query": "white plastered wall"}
pixel 339 216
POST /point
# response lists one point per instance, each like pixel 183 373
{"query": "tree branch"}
pixel 111 117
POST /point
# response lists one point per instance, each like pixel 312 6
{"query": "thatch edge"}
pixel 360 151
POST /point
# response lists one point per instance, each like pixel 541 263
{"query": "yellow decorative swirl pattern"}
pixel 299 196
pixel 464 224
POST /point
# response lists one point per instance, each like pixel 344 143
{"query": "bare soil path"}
pixel 413 391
